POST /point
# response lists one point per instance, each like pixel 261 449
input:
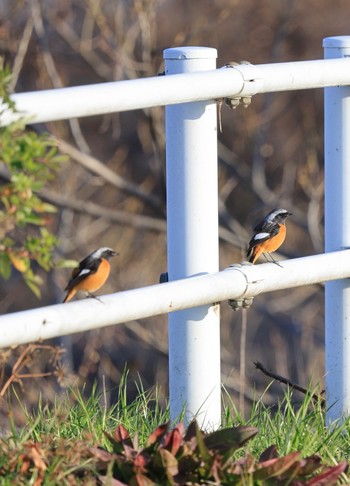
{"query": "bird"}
pixel 269 235
pixel 91 273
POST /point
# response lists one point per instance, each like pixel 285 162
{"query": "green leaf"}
pixel 33 287
pixel 21 263
pixel 66 263
pixel 42 207
pixel 166 462
pixel 201 443
pixel 33 218
pixel 33 281
pixel 230 438
pixel 5 266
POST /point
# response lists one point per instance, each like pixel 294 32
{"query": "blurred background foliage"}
pixel 28 162
pixel 111 187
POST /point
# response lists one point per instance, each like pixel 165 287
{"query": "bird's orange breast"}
pixel 272 244
pixel 94 281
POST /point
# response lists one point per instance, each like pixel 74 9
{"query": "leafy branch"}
pixel 27 161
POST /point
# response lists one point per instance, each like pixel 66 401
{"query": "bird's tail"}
pixel 253 254
pixel 70 294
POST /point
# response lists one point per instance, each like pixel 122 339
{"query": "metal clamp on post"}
pixel 238 304
pixel 252 83
pixel 244 302
pixel 164 277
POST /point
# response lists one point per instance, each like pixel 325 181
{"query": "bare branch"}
pixel 93 209
pixel 285 381
pixel 21 53
pixel 69 35
pixel 97 167
pixel 53 73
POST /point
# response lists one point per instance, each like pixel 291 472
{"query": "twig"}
pixel 242 363
pixel 24 360
pixel 285 381
pixel 96 210
pixel 97 167
pixel 52 71
pixel 114 215
pixel 93 209
pixel 21 54
pixel 80 46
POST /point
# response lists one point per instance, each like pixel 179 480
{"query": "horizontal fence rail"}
pixel 241 80
pixel 236 282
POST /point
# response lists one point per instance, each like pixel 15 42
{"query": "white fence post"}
pixel 192 222
pixel 337 235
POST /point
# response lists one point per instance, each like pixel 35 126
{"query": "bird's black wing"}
pixel 86 267
pixel 265 228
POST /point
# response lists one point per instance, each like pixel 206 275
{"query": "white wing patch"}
pixel 261 236
pixel 84 271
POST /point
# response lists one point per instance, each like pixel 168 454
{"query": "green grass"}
pixel 74 418
pixel 295 427
pixel 63 430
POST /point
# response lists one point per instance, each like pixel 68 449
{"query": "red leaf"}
pixel 141 480
pixel 244 465
pixel 158 434
pixel 191 431
pixel 328 477
pixel 174 439
pixel 140 463
pixel 309 465
pixel 101 454
pixel 269 453
pixel 216 468
pixel 129 452
pixel 36 455
pixel 25 463
pixel 276 467
pixel 122 435
pixel 121 441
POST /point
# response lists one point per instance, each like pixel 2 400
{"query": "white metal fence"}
pixel 190 87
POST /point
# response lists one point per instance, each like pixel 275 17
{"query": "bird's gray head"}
pixel 277 215
pixel 104 252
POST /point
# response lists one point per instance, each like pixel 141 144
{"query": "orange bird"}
pixel 91 273
pixel 268 235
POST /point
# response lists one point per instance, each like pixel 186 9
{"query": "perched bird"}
pixel 268 235
pixel 91 273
